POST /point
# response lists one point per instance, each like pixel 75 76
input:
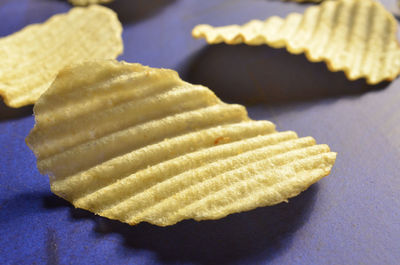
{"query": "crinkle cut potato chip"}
pixel 89 2
pixel 354 36
pixel 32 57
pixel 135 143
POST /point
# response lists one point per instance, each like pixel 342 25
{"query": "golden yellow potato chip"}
pixel 135 143
pixel 89 2
pixel 354 36
pixel 31 58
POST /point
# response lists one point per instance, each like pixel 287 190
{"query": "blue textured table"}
pixel 350 217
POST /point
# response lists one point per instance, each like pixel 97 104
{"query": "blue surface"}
pixel 350 217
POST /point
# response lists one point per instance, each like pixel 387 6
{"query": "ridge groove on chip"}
pixel 77 107
pixel 136 137
pixel 173 170
pixel 163 156
pixel 114 119
pixel 208 188
pixel 253 199
pixel 183 145
pixel 187 183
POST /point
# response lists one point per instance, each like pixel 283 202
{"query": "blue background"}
pixel 350 217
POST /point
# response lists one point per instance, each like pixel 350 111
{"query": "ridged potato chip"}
pixel 89 2
pixel 354 36
pixel 135 143
pixel 32 57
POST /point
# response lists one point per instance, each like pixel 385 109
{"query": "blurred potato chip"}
pixel 89 2
pixel 135 143
pixel 31 58
pixel 354 36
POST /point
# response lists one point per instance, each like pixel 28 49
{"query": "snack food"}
pixel 135 143
pixel 31 58
pixel 89 2
pixel 354 36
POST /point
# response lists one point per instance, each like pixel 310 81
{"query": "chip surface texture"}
pixel 31 58
pixel 138 144
pixel 354 36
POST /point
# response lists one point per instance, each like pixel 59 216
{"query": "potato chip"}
pixel 135 143
pixel 89 2
pixel 31 58
pixel 354 36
